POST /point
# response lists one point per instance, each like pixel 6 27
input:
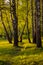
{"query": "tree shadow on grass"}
pixel 5 62
pixel 33 63
pixel 36 62
pixel 17 51
pixel 29 47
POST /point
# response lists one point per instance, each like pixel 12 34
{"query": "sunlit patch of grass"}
pixel 26 54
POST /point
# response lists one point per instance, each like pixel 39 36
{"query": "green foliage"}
pixel 21 12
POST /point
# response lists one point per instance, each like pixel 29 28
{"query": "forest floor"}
pixel 25 54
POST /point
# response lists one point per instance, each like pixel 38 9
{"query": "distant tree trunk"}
pixel 42 17
pixel 15 23
pixel 22 32
pixel 27 22
pixel 9 26
pixel 33 21
pixel 38 29
pixel 9 39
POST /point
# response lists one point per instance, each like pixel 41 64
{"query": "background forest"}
pixel 21 32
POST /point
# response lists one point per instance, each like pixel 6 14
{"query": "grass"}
pixel 26 54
